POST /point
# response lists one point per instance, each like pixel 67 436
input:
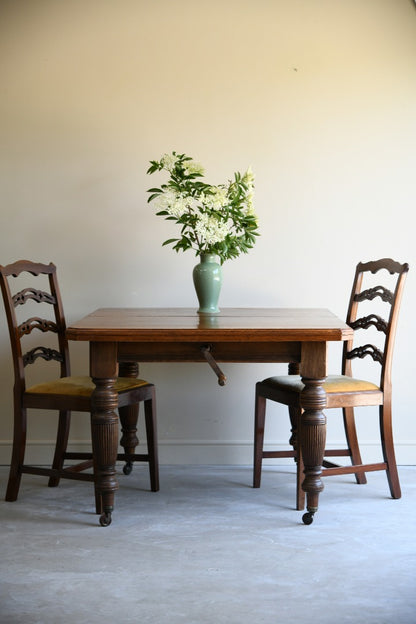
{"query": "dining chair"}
pixel 26 297
pixel 368 300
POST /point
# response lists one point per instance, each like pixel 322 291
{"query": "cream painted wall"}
pixel 318 96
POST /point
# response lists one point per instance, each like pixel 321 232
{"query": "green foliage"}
pixel 214 219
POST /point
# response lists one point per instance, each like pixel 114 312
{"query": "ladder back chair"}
pixel 345 391
pixel 63 393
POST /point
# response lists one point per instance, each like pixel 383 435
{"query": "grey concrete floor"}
pixel 208 549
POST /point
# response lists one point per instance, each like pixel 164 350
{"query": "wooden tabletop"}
pixel 245 324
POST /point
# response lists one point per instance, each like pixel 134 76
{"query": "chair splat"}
pixel 42 352
pixel 371 320
pixel 364 350
pixel 39 296
pixel 44 325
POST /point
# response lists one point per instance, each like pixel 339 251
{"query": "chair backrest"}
pixel 364 296
pixel 19 330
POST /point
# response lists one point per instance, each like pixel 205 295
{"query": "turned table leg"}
pixel 128 419
pixel 313 423
pixel 104 424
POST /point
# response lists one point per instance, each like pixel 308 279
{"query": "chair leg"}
pixel 386 432
pixel 151 434
pixel 352 441
pixel 259 422
pixel 18 453
pixel 61 445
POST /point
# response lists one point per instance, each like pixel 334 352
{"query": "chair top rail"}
pixel 385 263
pixel 35 268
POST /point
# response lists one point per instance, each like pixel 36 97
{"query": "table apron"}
pixel 221 351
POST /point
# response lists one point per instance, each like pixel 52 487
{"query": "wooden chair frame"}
pixel 66 394
pixel 344 392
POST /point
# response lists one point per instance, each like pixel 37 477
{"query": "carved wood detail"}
pixel 105 398
pixel 367 321
pixel 386 263
pixel 378 291
pixel 42 352
pixel 129 369
pixel 367 349
pixel 37 323
pixel 39 296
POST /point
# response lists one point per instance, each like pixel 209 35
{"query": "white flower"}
pixel 179 207
pixel 176 205
pixel 210 231
pixel 248 177
pixel 192 167
pixel 249 209
pixel 168 161
pixel 165 200
pixel 218 198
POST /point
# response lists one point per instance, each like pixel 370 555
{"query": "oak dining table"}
pixel 120 338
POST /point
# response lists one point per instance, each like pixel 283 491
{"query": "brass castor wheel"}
pixel 308 517
pixel 105 519
pixel 127 468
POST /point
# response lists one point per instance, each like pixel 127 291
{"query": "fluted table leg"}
pixel 313 423
pixel 104 424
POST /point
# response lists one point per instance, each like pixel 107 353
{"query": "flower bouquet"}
pixel 215 221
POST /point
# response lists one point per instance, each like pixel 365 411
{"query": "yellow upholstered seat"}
pixel 81 386
pixel 333 383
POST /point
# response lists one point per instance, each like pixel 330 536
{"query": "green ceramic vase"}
pixel 207 276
